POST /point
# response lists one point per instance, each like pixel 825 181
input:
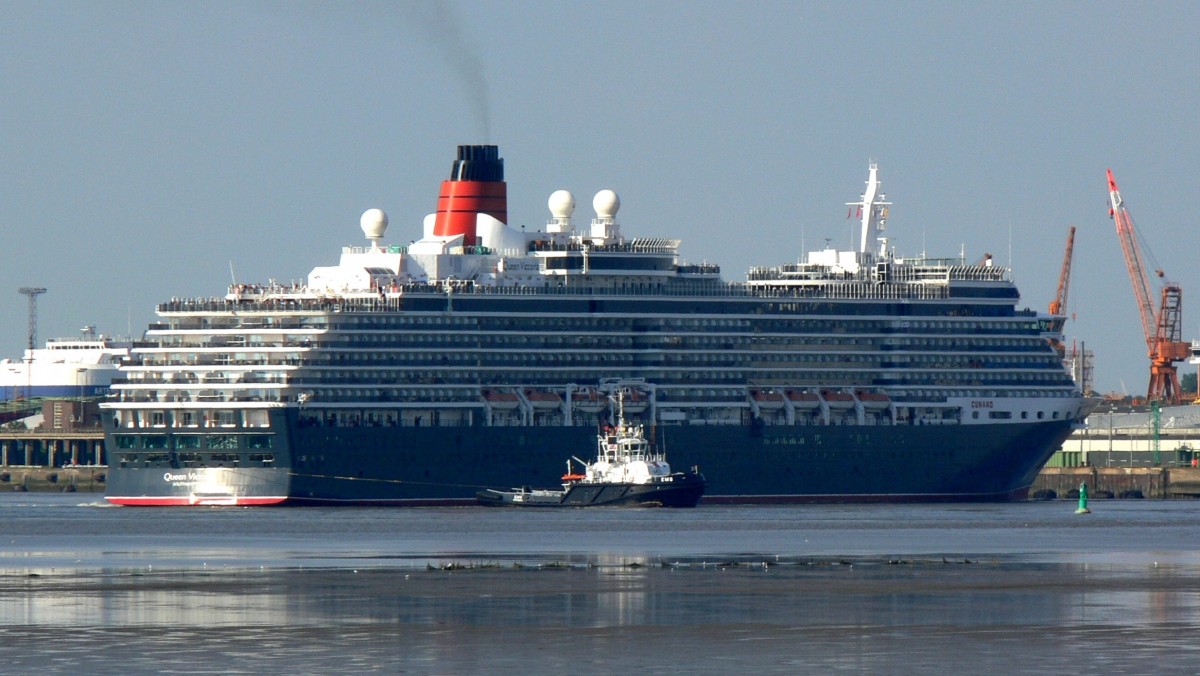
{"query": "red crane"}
pixel 1059 304
pixel 1162 330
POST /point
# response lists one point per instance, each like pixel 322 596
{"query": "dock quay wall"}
pixel 62 456
pixel 1148 482
pixel 85 479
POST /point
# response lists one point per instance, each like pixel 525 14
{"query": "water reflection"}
pixel 864 588
pixel 615 592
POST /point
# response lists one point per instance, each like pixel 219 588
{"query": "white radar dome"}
pixel 606 203
pixel 561 203
pixel 373 222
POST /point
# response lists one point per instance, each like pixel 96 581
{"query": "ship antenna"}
pixel 231 275
pixel 1010 258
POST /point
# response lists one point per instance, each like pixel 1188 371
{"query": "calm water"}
pixel 88 588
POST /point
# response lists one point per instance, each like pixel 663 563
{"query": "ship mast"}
pixel 873 209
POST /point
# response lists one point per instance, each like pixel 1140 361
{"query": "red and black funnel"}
pixel 476 186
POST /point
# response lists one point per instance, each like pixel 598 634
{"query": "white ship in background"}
pixel 64 368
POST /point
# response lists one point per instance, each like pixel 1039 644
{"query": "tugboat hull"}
pixel 681 490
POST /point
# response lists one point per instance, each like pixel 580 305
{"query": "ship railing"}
pixel 391 248
pixel 391 301
pixel 924 270
pixel 904 281
pixel 699 269
pixel 858 290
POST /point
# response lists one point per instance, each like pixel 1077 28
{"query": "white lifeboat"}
pixel 838 400
pixel 767 400
pixel 635 400
pixel 874 401
pixel 804 400
pixel 589 400
pixel 501 401
pixel 543 400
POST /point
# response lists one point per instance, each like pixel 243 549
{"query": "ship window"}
pixel 187 441
pixel 258 441
pixel 155 440
pixel 126 441
pixel 222 441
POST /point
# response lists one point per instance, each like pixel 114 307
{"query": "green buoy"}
pixel 1083 508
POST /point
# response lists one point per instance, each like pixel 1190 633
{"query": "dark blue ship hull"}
pixel 742 464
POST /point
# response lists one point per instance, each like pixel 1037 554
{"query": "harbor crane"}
pixel 1059 304
pixel 1076 358
pixel 1162 329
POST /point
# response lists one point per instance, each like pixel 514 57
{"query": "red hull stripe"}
pixel 184 501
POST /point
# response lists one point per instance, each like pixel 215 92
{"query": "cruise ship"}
pixel 71 367
pixel 479 355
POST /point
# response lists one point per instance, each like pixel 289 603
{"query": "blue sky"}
pixel 149 146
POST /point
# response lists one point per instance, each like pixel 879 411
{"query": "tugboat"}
pixel 627 472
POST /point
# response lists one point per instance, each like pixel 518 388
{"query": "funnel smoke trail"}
pixel 445 32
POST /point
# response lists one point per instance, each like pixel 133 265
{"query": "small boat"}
pixel 635 400
pixel 804 400
pixel 589 400
pixel 543 400
pixel 874 401
pixel 627 472
pixel 767 400
pixel 838 400
pixel 501 401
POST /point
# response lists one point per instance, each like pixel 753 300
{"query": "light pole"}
pixel 1111 408
pixel 1110 435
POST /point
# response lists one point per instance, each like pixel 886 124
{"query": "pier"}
pixel 65 453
